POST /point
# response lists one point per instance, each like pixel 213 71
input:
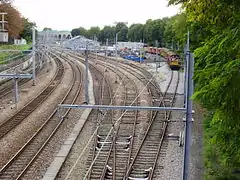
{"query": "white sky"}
pixel 69 14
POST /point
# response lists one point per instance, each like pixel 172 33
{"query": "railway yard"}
pixel 39 142
pixel 119 90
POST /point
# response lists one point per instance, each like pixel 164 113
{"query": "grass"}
pixel 6 55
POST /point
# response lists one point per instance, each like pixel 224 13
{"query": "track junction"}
pixel 115 144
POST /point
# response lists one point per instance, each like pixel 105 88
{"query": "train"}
pixel 173 59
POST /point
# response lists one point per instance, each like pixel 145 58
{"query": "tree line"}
pixel 159 32
pixel 17 25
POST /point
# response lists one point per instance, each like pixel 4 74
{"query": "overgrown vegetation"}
pixel 215 32
pixel 4 56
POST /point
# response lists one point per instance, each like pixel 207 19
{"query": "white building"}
pixel 20 41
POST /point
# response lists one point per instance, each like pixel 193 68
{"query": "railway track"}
pixel 20 163
pixel 142 160
pixel 112 160
pixel 7 87
pixel 153 145
pixel 13 121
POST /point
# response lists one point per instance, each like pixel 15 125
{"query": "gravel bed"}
pixel 162 76
pixel 81 142
pixel 173 161
pixel 39 167
pixel 14 140
pixel 89 128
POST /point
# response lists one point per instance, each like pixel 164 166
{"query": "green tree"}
pixel 79 31
pixel 154 31
pixel 47 29
pixel 27 31
pixel 122 30
pixel 135 32
pixel 215 25
pixel 75 32
pixel 83 31
pixel 107 32
pixel 94 32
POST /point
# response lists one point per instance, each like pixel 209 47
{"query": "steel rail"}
pixel 116 135
pixel 148 130
pixel 79 87
pixel 22 113
pixel 165 130
pixel 8 85
pixel 93 68
pixel 11 161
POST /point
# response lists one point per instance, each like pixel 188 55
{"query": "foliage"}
pixel 27 31
pixel 75 32
pixel 79 31
pixel 6 55
pixel 15 23
pixel 135 32
pixel 107 33
pixel 47 29
pixel 122 30
pixel 214 26
pixel 94 32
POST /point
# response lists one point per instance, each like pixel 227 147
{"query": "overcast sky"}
pixel 69 14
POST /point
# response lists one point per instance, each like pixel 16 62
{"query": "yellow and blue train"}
pixel 172 58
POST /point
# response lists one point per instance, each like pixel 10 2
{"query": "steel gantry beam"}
pixel 21 76
pixel 109 107
pixel 13 50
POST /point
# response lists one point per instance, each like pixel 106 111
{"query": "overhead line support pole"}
pixel 188 125
pixel 16 96
pixel 86 75
pixel 33 56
